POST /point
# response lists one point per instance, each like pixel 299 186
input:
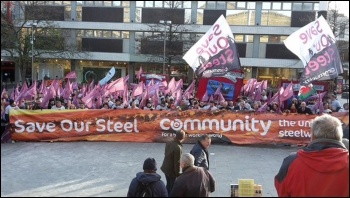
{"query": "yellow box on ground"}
pixel 246 188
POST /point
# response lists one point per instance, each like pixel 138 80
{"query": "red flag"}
pixel 139 73
pixel 71 75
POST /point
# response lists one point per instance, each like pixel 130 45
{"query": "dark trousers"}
pixel 169 183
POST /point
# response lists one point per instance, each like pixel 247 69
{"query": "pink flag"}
pixel 287 93
pixel 258 95
pixel 171 86
pixel 83 90
pixel 138 90
pixel 263 108
pixel 4 91
pixel 211 98
pixel 22 94
pixel 91 86
pixel 139 73
pixel 42 86
pixel 50 94
pixel 126 95
pixel 155 99
pixel 189 90
pixel 68 90
pixel 89 98
pixel 221 98
pixel 319 103
pixel 144 99
pixel 178 97
pixel 71 75
pixel 117 85
pixel 205 97
pixel 218 90
pixel 31 92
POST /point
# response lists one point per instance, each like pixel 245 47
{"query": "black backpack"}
pixel 144 190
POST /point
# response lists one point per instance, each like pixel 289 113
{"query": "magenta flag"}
pixel 155 99
pixel 22 94
pixel 139 73
pixel 257 95
pixel 4 91
pixel 126 95
pixel 71 75
pixel 205 97
pixel 114 86
pixel 263 108
pixel 68 90
pixel 211 98
pixel 218 90
pixel 221 98
pixel 189 90
pixel 144 99
pixel 171 86
pixel 264 85
pixel 287 93
pixel 178 97
pixel 50 94
pixel 89 98
pixel 31 92
pixel 42 86
pixel 91 86
pixel 319 103
pixel 138 90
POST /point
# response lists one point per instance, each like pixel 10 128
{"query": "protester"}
pixel 194 181
pixel 58 105
pixel 345 108
pixel 319 170
pixel 149 176
pixel 335 104
pixel 304 110
pixel 11 105
pixel 171 162
pixel 200 151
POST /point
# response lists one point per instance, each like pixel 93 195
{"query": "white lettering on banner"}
pixel 69 126
pixel 30 127
pixel 220 125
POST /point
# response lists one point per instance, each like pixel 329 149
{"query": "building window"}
pixel 240 5
pixel 276 5
pixel 187 4
pixel 201 4
pixel 125 34
pixel 307 6
pixel 98 3
pixel 231 5
pixel 148 4
pixel 287 6
pixel 116 3
pixel 297 6
pixel 116 34
pixel 139 4
pixel 276 18
pixel 240 17
pixel 251 5
pixel 158 4
pixel 266 6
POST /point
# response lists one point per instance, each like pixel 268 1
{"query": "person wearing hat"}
pixel 148 176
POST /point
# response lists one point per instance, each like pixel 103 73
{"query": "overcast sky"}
pixel 342 6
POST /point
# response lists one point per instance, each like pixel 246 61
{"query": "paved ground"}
pixel 105 169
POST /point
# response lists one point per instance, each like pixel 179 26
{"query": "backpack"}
pixel 144 190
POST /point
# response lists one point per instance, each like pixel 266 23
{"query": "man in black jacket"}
pixel 200 152
pixel 148 177
pixel 303 109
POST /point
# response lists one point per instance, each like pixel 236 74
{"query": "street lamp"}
pixel 33 25
pixel 165 23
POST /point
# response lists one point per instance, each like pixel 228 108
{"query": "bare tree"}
pixel 17 36
pixel 178 36
pixel 339 25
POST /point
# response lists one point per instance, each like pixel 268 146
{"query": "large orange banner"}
pixel 129 125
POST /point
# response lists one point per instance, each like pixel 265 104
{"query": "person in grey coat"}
pixel 148 176
pixel 200 152
pixel 194 181
pixel 171 162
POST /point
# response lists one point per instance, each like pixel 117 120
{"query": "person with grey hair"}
pixel 200 151
pixel 319 170
pixel 171 162
pixel 194 181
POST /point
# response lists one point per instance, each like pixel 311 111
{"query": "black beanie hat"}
pixel 150 164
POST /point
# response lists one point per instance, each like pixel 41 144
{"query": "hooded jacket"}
pixel 157 186
pixel 319 170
